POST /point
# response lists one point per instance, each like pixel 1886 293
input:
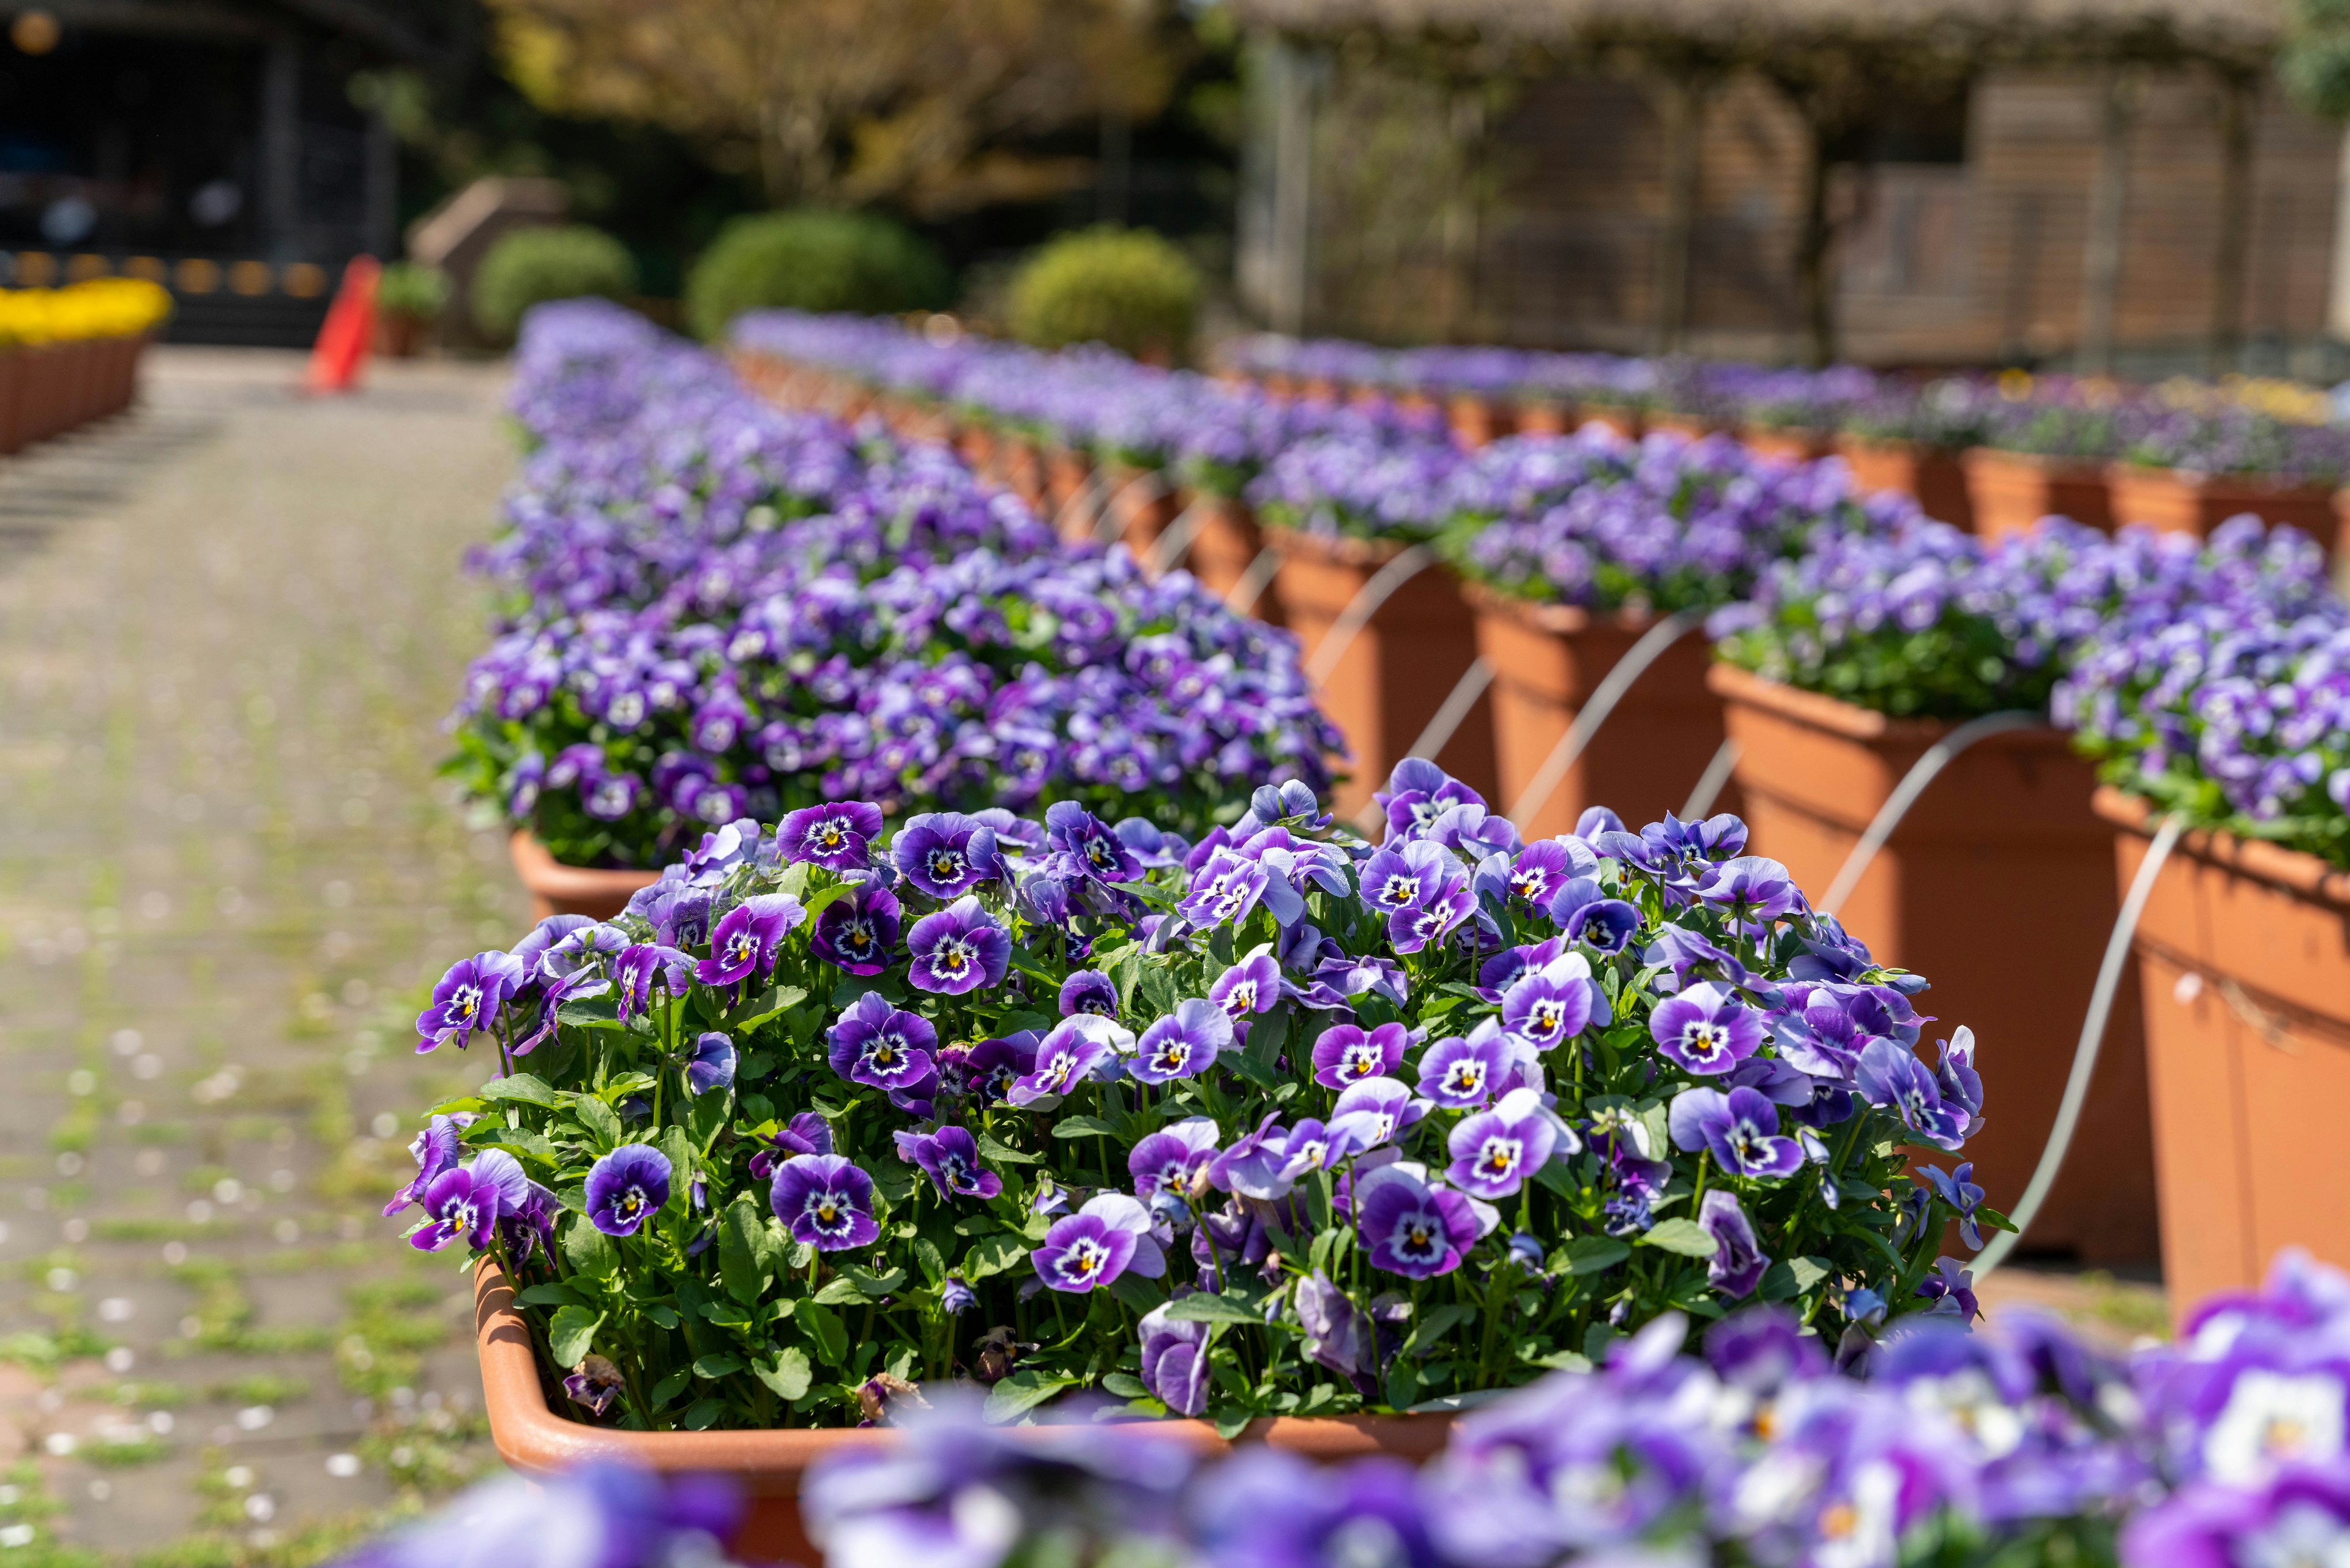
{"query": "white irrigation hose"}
pixel 1594 713
pixel 1087 495
pixel 1108 526
pixel 2085 1053
pixel 1905 795
pixel 1708 783
pixel 1405 566
pixel 1254 582
pixel 1457 707
pixel 1175 543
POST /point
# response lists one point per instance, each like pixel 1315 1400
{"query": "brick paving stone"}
pixel 231 623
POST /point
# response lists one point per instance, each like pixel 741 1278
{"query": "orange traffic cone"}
pixel 350 328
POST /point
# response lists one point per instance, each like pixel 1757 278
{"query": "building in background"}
pixel 2105 183
pixel 211 144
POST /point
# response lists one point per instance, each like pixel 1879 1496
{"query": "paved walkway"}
pixel 230 624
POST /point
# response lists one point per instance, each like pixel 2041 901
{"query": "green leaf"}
pixel 1562 1361
pixel 1004 1154
pixel 704 1414
pixel 1596 1255
pixel 1021 1393
pixel 549 1294
pixel 1126 1386
pixel 1430 1329
pixel 742 1238
pixel 596 1012
pixel 1792 1277
pixel 875 1286
pixel 1686 1237
pixel 671 1387
pixel 992 1255
pixel 824 1325
pixel 933 1263
pixel 522 1088
pixel 1136 1291
pixel 717 1364
pixel 1266 1036
pixel 572 1335
pixel 1403 1384
pixel 1231 1421
pixel 787 1375
pixel 841 1291
pixel 591 1251
pixel 599 1119
pixel 777 1000
pixel 665 1317
pixel 1206 1306
pixel 1083 1126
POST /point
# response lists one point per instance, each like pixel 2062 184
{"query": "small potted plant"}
pixel 2044 452
pixel 1908 438
pixel 409 299
pixel 1278 1131
pixel 2189 471
pixel 2233 717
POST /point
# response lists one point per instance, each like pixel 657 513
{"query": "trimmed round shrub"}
pixel 413 289
pixel 813 261
pixel 1125 288
pixel 531 266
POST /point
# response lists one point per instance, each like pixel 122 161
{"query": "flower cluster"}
pixel 2237 715
pixel 1767 1446
pixel 1665 523
pixel 602 1515
pixel 1345 1126
pixel 718 609
pixel 1930 622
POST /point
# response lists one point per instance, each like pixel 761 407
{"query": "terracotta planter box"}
pixel 1688 426
pixel 1396 671
pixel 1066 471
pixel 1787 445
pixel 1024 470
pixel 1547 658
pixel 1997 888
pixel 13 381
pixel 1478 421
pixel 2011 491
pixel 1929 474
pixel 1144 502
pixel 556 889
pixel 2244 953
pixel 532 1438
pixel 1226 545
pixel 2176 501
pixel 1539 418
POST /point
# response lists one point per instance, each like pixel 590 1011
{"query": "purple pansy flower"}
pixel 467 998
pixel 1347 1055
pixel 1461 1074
pixel 825 1201
pixel 1251 1166
pixel 956 1296
pixel 434 1150
pixel 711 1065
pixel 1551 1005
pixel 837 837
pixel 950 1158
pixel 1740 1128
pixel 1090 1248
pixel 958 950
pixel 1494 1151
pixel 462 1204
pixel 1089 990
pixel 636 969
pixel 1182 1045
pixel 1224 889
pixel 991 1067
pixel 945 853
pixel 1168 1159
pixel 1175 1361
pixel 1249 987
pixel 807 1133
pixel 1374 1110
pixel 1705 1029
pixel 743 941
pixel 1311 1146
pixel 857 931
pixel 627 1188
pixel 1410 1228
pixel 1545 865
pixel 1891 1077
pixel 1092 843
pixel 1738 1262
pixel 1961 1195
pixel 876 1043
pixel 1068 1055
pixel 1588 915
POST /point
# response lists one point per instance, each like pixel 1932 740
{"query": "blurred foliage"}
pixel 531 266
pixel 1126 287
pixel 413 289
pixel 812 260
pixel 2315 62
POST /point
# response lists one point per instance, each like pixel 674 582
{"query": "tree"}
pixel 927 104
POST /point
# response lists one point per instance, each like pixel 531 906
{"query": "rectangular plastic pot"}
pixel 2011 491
pixel 1225 547
pixel 1789 444
pixel 1395 673
pixel 2177 502
pixel 1646 757
pixel 1929 474
pixel 2244 954
pixel 556 889
pixel 1996 887
pixel 768 1466
pixel 1476 420
pixel 1143 502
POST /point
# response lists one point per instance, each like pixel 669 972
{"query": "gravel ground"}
pixel 230 624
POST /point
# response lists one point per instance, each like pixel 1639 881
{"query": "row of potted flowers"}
pixel 1992 452
pixel 1568 549
pixel 70 355
pixel 1755 1444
